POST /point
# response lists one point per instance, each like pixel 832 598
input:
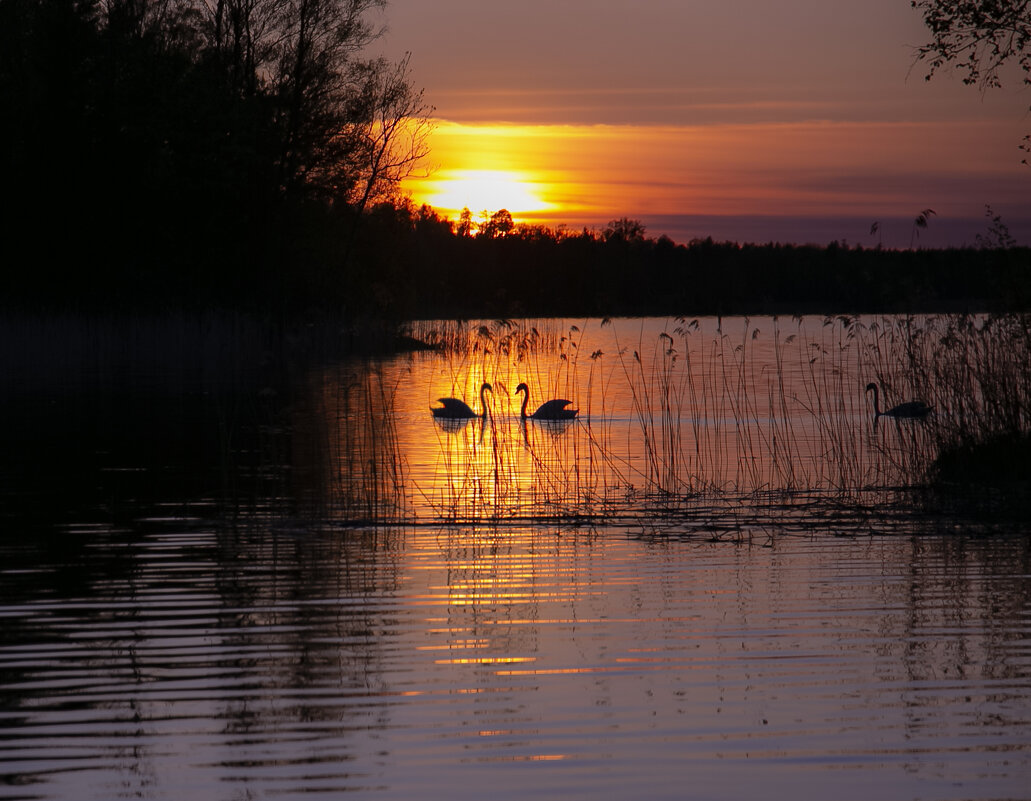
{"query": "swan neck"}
pixel 526 400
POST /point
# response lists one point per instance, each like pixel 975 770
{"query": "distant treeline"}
pixel 242 154
pixel 425 268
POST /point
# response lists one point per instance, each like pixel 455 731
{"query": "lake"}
pixel 241 578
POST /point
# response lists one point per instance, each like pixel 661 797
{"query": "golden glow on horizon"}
pixel 589 174
pixel 482 190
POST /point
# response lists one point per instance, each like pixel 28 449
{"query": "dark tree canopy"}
pixel 191 146
pixel 498 224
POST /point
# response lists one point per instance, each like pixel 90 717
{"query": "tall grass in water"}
pixel 824 448
pixel 347 463
pixel 734 412
pixel 660 394
pixel 751 412
pixel 975 370
pixel 689 416
pixel 755 411
pixel 501 468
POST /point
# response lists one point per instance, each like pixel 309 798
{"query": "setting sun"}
pixel 482 190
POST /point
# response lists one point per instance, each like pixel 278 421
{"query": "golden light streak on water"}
pixel 485 660
pixel 181 660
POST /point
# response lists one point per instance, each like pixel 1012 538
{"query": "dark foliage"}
pixel 978 38
pixel 189 153
pixel 989 479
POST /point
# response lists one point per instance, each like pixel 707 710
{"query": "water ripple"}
pixel 609 664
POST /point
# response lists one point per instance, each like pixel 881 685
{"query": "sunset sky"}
pixel 749 120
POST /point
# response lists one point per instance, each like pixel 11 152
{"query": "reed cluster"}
pixel 347 458
pixel 721 414
pixel 500 467
pixel 743 412
pixel 975 371
pixel 720 425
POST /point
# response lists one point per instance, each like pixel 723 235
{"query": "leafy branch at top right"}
pixel 979 37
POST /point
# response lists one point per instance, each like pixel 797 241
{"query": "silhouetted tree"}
pixel 465 223
pixel 237 35
pixel 624 229
pixel 499 224
pixel 978 37
pixel 387 128
pixel 191 148
pixel 349 127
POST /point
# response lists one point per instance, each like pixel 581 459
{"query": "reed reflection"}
pixel 468 480
pixel 346 459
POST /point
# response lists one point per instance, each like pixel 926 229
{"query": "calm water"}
pixel 193 604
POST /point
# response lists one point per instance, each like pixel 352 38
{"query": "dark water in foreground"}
pixel 175 623
pixel 176 661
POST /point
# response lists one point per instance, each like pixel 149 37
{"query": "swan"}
pixel 549 410
pixel 454 409
pixel 910 410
